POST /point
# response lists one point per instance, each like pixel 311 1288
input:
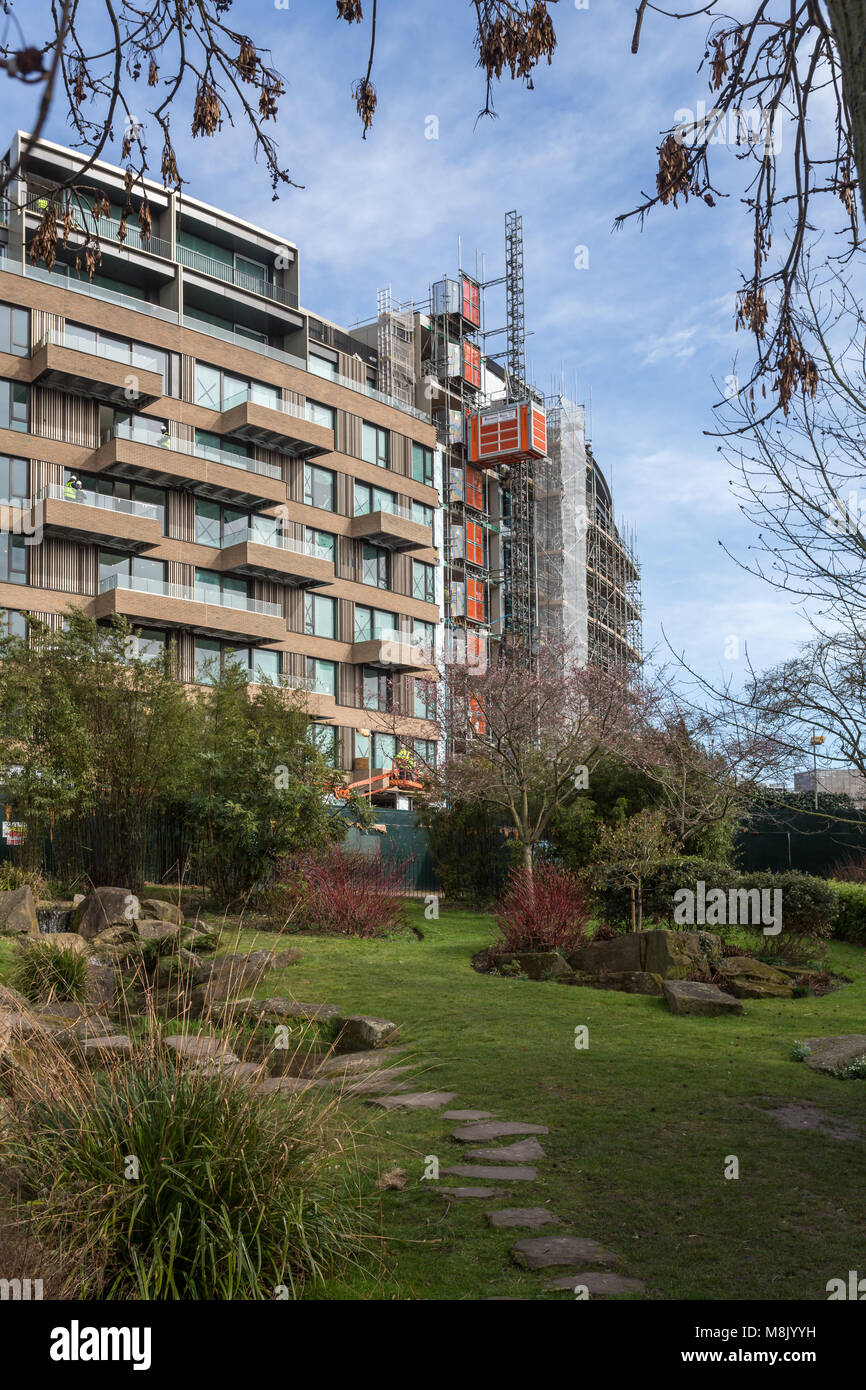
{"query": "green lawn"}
pixel 640 1124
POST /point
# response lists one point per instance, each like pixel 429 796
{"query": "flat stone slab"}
pixel 360 1061
pixel 283 1085
pixel 692 997
pixel 598 1283
pixel 359 1031
pixel 463 1194
pixel 414 1100
pixel 376 1083
pixel 544 1252
pixel 524 1151
pixel 530 1218
pixel 201 1049
pixel 494 1129
pixel 826 1054
pixel 468 1115
pixel 492 1173
pixel 107 1049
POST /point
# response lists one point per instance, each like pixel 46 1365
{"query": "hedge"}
pixel 850 911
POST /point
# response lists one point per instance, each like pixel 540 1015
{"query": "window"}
pixel 265 664
pixel 150 644
pixel 426 751
pixel 207 660
pixel 423 581
pixel 321 414
pixel 375 445
pixel 324 540
pixel 13 405
pixel 212 446
pixel 207 522
pixel 370 623
pixel 13 559
pixel 384 750
pixel 208 386
pixel 320 616
pixel 422 464
pixel 320 487
pixel 225 589
pixel 324 738
pixel 120 488
pixel 146 575
pixel 374 566
pixel 424 699
pixel 373 499
pixel 13 623
pixel 376 689
pixel 423 635
pixel 14 330
pixel 423 515
pixel 323 366
pixel 14 479
pixel 323 675
pixel 219 390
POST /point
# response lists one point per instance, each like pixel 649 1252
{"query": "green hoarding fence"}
pixel 399 841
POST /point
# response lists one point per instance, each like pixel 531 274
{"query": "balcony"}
pixel 129 525
pixel 109 229
pixel 256 551
pixel 222 270
pixel 135 451
pixel 259 418
pixel 317 703
pixel 395 651
pixel 394 529
pixel 71 363
pixel 180 605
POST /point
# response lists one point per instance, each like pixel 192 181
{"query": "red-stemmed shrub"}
pixel 341 893
pixel 547 910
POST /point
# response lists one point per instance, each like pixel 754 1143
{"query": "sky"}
pixel 641 319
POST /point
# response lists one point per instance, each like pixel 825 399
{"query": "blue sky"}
pixel 647 325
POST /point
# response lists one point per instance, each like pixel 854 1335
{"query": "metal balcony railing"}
pixel 210 594
pixel 109 228
pixel 225 271
pixel 159 440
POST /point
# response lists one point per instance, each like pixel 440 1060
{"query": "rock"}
pixel 100 984
pixel 676 954
pixel 181 968
pixel 154 929
pixel 834 1051
pixel 105 942
pixel 627 981
pixel 163 912
pixel 530 1218
pixel 66 941
pixel 18 912
pixel 384 1081
pixel 344 1064
pixel 414 1100
pixel 619 954
pixel 244 1071
pixel 761 989
pixel 494 1129
pixel 356 1031
pixel 746 967
pixel 201 1049
pixel 492 1173
pixel 276 1009
pixel 544 1252
pixel 94 1026
pixel 538 965
pixel 229 975
pixel 105 907
pixel 524 1151
pixel 100 1051
pixel 597 1282
pixel 691 997
pixel 12 999
pixel 463 1194
pixel 467 1115
pixel 284 1085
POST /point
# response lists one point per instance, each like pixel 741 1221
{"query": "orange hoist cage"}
pixel 470 307
pixel 505 434
pixel 472 363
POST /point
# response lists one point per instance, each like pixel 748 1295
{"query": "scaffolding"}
pixel 613 581
pixel 561 531
pixel 396 347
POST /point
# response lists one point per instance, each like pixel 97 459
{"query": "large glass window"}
pixel 384 750
pixel 320 616
pixel 422 464
pixel 14 330
pixel 424 699
pixel 14 399
pixel 150 643
pixel 423 515
pixel 207 522
pixel 373 499
pixel 213 446
pixel 370 623
pixel 207 660
pixel 13 623
pixel 376 688
pixel 208 386
pixel 319 414
pixel 375 445
pixel 374 566
pixel 423 581
pixel 324 737
pixel 13 558
pixel 323 675
pixel 325 540
pixel 323 367
pixel 14 479
pixel 149 575
pixel 320 487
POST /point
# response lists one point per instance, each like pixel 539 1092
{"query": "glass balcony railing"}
pixel 258 534
pixel 124 505
pixel 227 272
pixel 125 354
pixel 391 509
pixel 158 438
pixel 198 593
pixel 419 648
pixel 380 396
pixel 256 395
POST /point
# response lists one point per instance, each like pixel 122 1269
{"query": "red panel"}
pixel 474 493
pixel 471 308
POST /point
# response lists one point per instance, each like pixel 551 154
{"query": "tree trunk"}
pixel 848 21
pixel 527 858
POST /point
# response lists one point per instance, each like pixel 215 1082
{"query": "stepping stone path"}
pixel 524 1151
pixel 415 1100
pixel 461 1194
pixel 597 1282
pixel 530 1218
pixel 496 1129
pixel 511 1173
pixel 542 1252
pixel 467 1115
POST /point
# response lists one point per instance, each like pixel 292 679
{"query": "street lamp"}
pixel 365 733
pixel 816 740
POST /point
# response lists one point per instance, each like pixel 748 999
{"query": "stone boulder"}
pixel 102 1052
pixel 538 965
pixel 754 979
pixel 355 1032
pixel 627 981
pixel 619 954
pixel 101 985
pixel 201 1050
pixel 234 974
pixel 677 954
pixel 65 941
pixel 164 912
pixel 691 997
pixel 18 912
pixel 106 907
pixel 157 929
pixel 829 1053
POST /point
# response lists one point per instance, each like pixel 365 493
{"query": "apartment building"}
pixel 182 443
